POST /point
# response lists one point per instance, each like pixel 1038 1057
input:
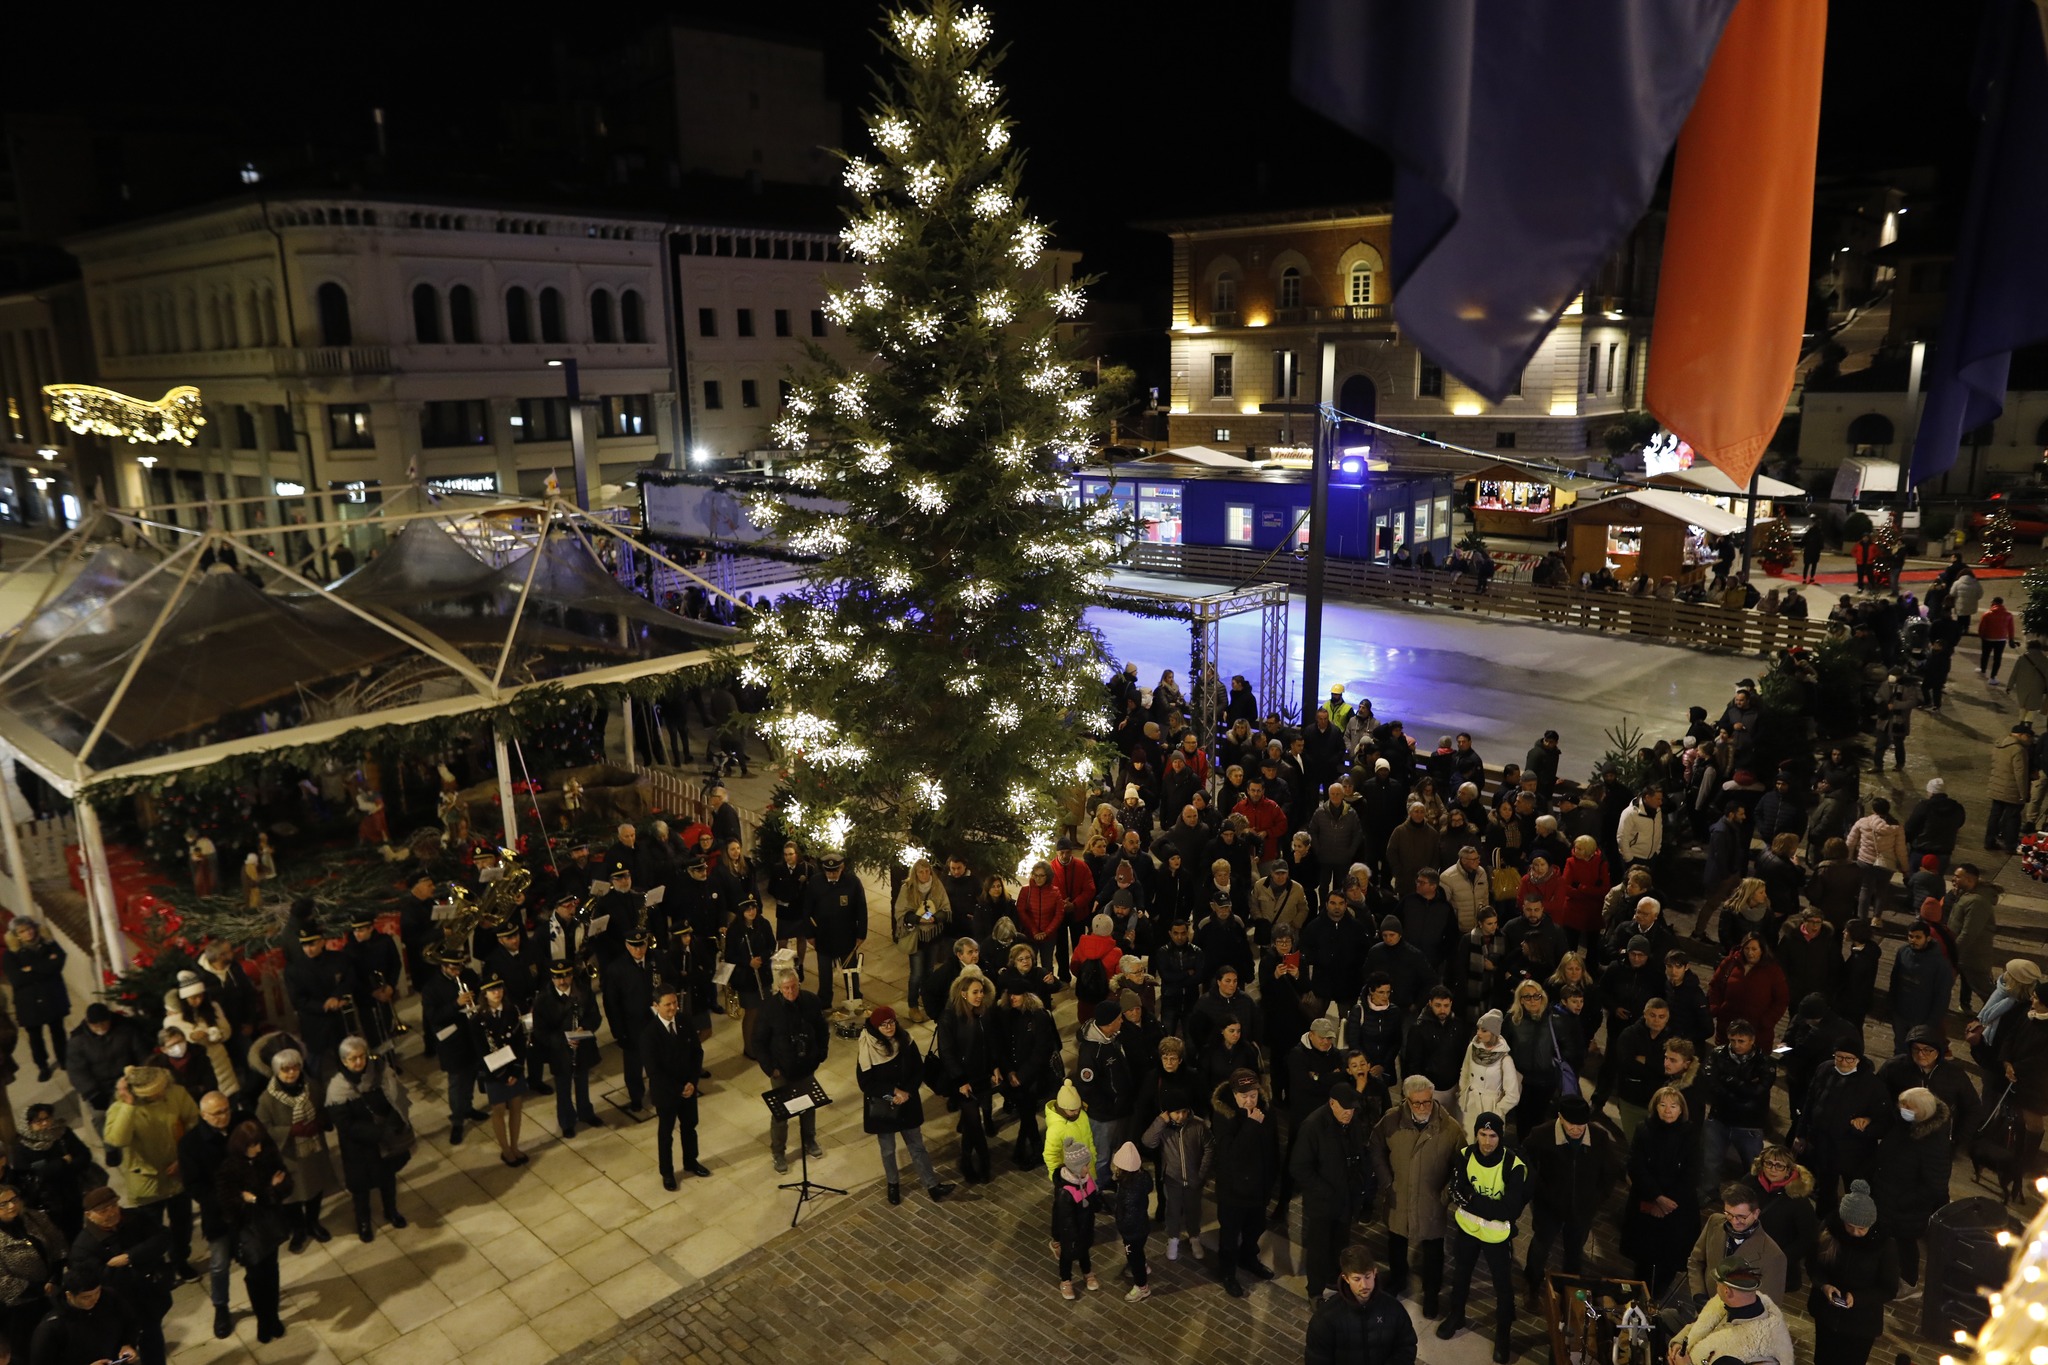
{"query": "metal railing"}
pixel 683 796
pixel 315 361
pixel 1338 312
pixel 1705 626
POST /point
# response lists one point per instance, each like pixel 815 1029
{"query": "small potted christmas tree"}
pixel 1998 539
pixel 1776 548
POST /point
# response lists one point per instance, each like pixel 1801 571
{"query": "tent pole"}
pixel 24 903
pixel 519 610
pixel 505 797
pixel 64 634
pixel 659 558
pixel 50 588
pixel 135 663
pixel 632 758
pixel 92 842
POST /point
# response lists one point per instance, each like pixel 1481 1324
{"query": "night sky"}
pixel 1143 111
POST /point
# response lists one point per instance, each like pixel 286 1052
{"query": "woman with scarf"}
pixel 1749 984
pixel 254 1188
pixel 368 1108
pixel 206 1026
pixel 497 1032
pixel 51 1167
pixel 289 1110
pixel 922 912
pixel 995 905
pixel 31 1262
pixel 1488 1081
pixel 890 1071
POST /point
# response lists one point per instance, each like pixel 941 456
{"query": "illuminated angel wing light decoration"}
pixel 88 408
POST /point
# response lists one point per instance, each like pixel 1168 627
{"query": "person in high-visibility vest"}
pixel 1339 709
pixel 1489 1185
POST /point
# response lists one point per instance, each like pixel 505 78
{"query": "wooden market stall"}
pixel 1509 499
pixel 1657 531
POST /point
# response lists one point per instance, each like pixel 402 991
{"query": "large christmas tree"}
pixel 937 685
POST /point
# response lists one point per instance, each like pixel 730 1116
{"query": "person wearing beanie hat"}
pixel 1489 1185
pixel 1247 1159
pixel 890 1073
pixel 1132 1205
pixel 1488 1078
pixel 1836 1147
pixel 1574 1166
pixel 1329 1164
pixel 2015 987
pixel 1926 1064
pixel 1067 1121
pixel 1075 1197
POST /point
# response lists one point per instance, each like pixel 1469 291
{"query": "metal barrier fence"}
pixel 684 797
pixel 1708 627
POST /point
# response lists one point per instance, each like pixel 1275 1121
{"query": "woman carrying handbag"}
pixel 889 1072
pixel 253 1188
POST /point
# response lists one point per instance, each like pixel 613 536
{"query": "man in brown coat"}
pixel 1413 1147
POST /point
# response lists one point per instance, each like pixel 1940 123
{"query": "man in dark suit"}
pixel 791 1041
pixel 445 998
pixel 320 984
pixel 630 985
pixel 674 1059
pixel 565 1021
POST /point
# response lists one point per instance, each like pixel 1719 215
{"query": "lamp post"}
pixel 578 442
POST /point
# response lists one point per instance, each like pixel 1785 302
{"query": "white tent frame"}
pixel 72 775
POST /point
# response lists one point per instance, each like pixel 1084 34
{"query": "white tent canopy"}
pixel 1710 479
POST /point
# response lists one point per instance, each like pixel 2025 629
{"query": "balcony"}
pixel 1343 312
pixel 330 362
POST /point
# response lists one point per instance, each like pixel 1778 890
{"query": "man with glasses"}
pixel 1413 1146
pixel 1736 1233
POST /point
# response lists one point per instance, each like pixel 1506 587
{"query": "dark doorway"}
pixel 1358 398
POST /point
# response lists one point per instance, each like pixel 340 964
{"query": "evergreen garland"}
pixel 940 674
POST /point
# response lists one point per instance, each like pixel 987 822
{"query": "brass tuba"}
pixel 504 900
pixel 459 925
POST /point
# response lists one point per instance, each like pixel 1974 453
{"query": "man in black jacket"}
pixel 629 989
pixel 445 998
pixel 1356 1322
pixel 565 1020
pixel 320 985
pixel 1638 1061
pixel 1736 1085
pixel 1333 947
pixel 1434 1045
pixel 131 1254
pixel 200 1152
pixel 1246 1142
pixel 1847 1110
pixel 86 1323
pixel 1573 1166
pixel 836 904
pixel 792 1039
pixel 1926 1064
pixel 674 1060
pixel 1333 1171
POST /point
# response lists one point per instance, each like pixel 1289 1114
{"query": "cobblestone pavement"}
pixel 861 1283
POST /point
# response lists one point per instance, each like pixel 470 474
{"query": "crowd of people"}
pixel 1435 999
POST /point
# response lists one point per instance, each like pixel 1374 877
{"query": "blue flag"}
pixel 1998 292
pixel 1527 139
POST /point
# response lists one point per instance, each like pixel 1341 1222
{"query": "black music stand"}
pixel 778 1108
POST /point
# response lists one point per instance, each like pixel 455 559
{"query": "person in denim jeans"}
pixel 200 1152
pixel 922 912
pixel 1736 1082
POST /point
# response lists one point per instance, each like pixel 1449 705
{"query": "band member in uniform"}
pixel 565 1008
pixel 446 1001
pixel 627 909
pixel 320 985
pixel 524 972
pixel 692 963
pixel 675 1063
pixel 568 930
pixel 573 877
pixel 373 957
pixel 630 985
pixel 706 902
pixel 750 948
pixel 495 1027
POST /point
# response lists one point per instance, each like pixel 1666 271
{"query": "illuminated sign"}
pixel 465 483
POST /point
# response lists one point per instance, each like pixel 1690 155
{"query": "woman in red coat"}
pixel 1749 984
pixel 1585 891
pixel 1041 912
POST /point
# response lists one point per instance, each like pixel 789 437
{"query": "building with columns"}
pixel 1254 295
pixel 348 344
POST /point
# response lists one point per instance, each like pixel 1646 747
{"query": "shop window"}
pixel 1237 523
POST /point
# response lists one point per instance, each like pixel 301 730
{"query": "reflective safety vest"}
pixel 1491 1181
pixel 1340 711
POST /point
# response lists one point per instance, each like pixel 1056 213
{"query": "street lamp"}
pixel 1318 527
pixel 578 445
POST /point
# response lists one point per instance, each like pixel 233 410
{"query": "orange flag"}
pixel 1731 297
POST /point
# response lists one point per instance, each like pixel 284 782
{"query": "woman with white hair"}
pixel 368 1108
pixel 290 1111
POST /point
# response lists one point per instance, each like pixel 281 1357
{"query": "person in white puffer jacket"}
pixel 1737 1324
pixel 1487 1081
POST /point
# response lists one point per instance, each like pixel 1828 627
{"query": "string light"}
pixel 912 855
pixel 828 537
pixel 893 134
pixel 996 137
pixel 837 828
pixel 874 456
pixel 1069 301
pixel 990 201
pixel 924 183
pixel 1028 244
pixel 978 90
pixel 931 792
pixel 915 32
pixel 1005 715
pixel 948 411
pixel 871 238
pixel 927 496
pixel 979 592
pixel 971 27
pixel 894 579
pixel 924 325
pixel 849 398
pixel 789 433
pixel 871 668
pixel 89 409
pixel 996 308
pixel 862 177
pixel 764 512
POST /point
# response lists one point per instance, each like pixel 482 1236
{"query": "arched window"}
pixel 518 317
pixel 601 315
pixel 631 325
pixel 1360 291
pixel 1225 300
pixel 333 305
pixel 462 315
pixel 426 314
pixel 1290 287
pixel 551 315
